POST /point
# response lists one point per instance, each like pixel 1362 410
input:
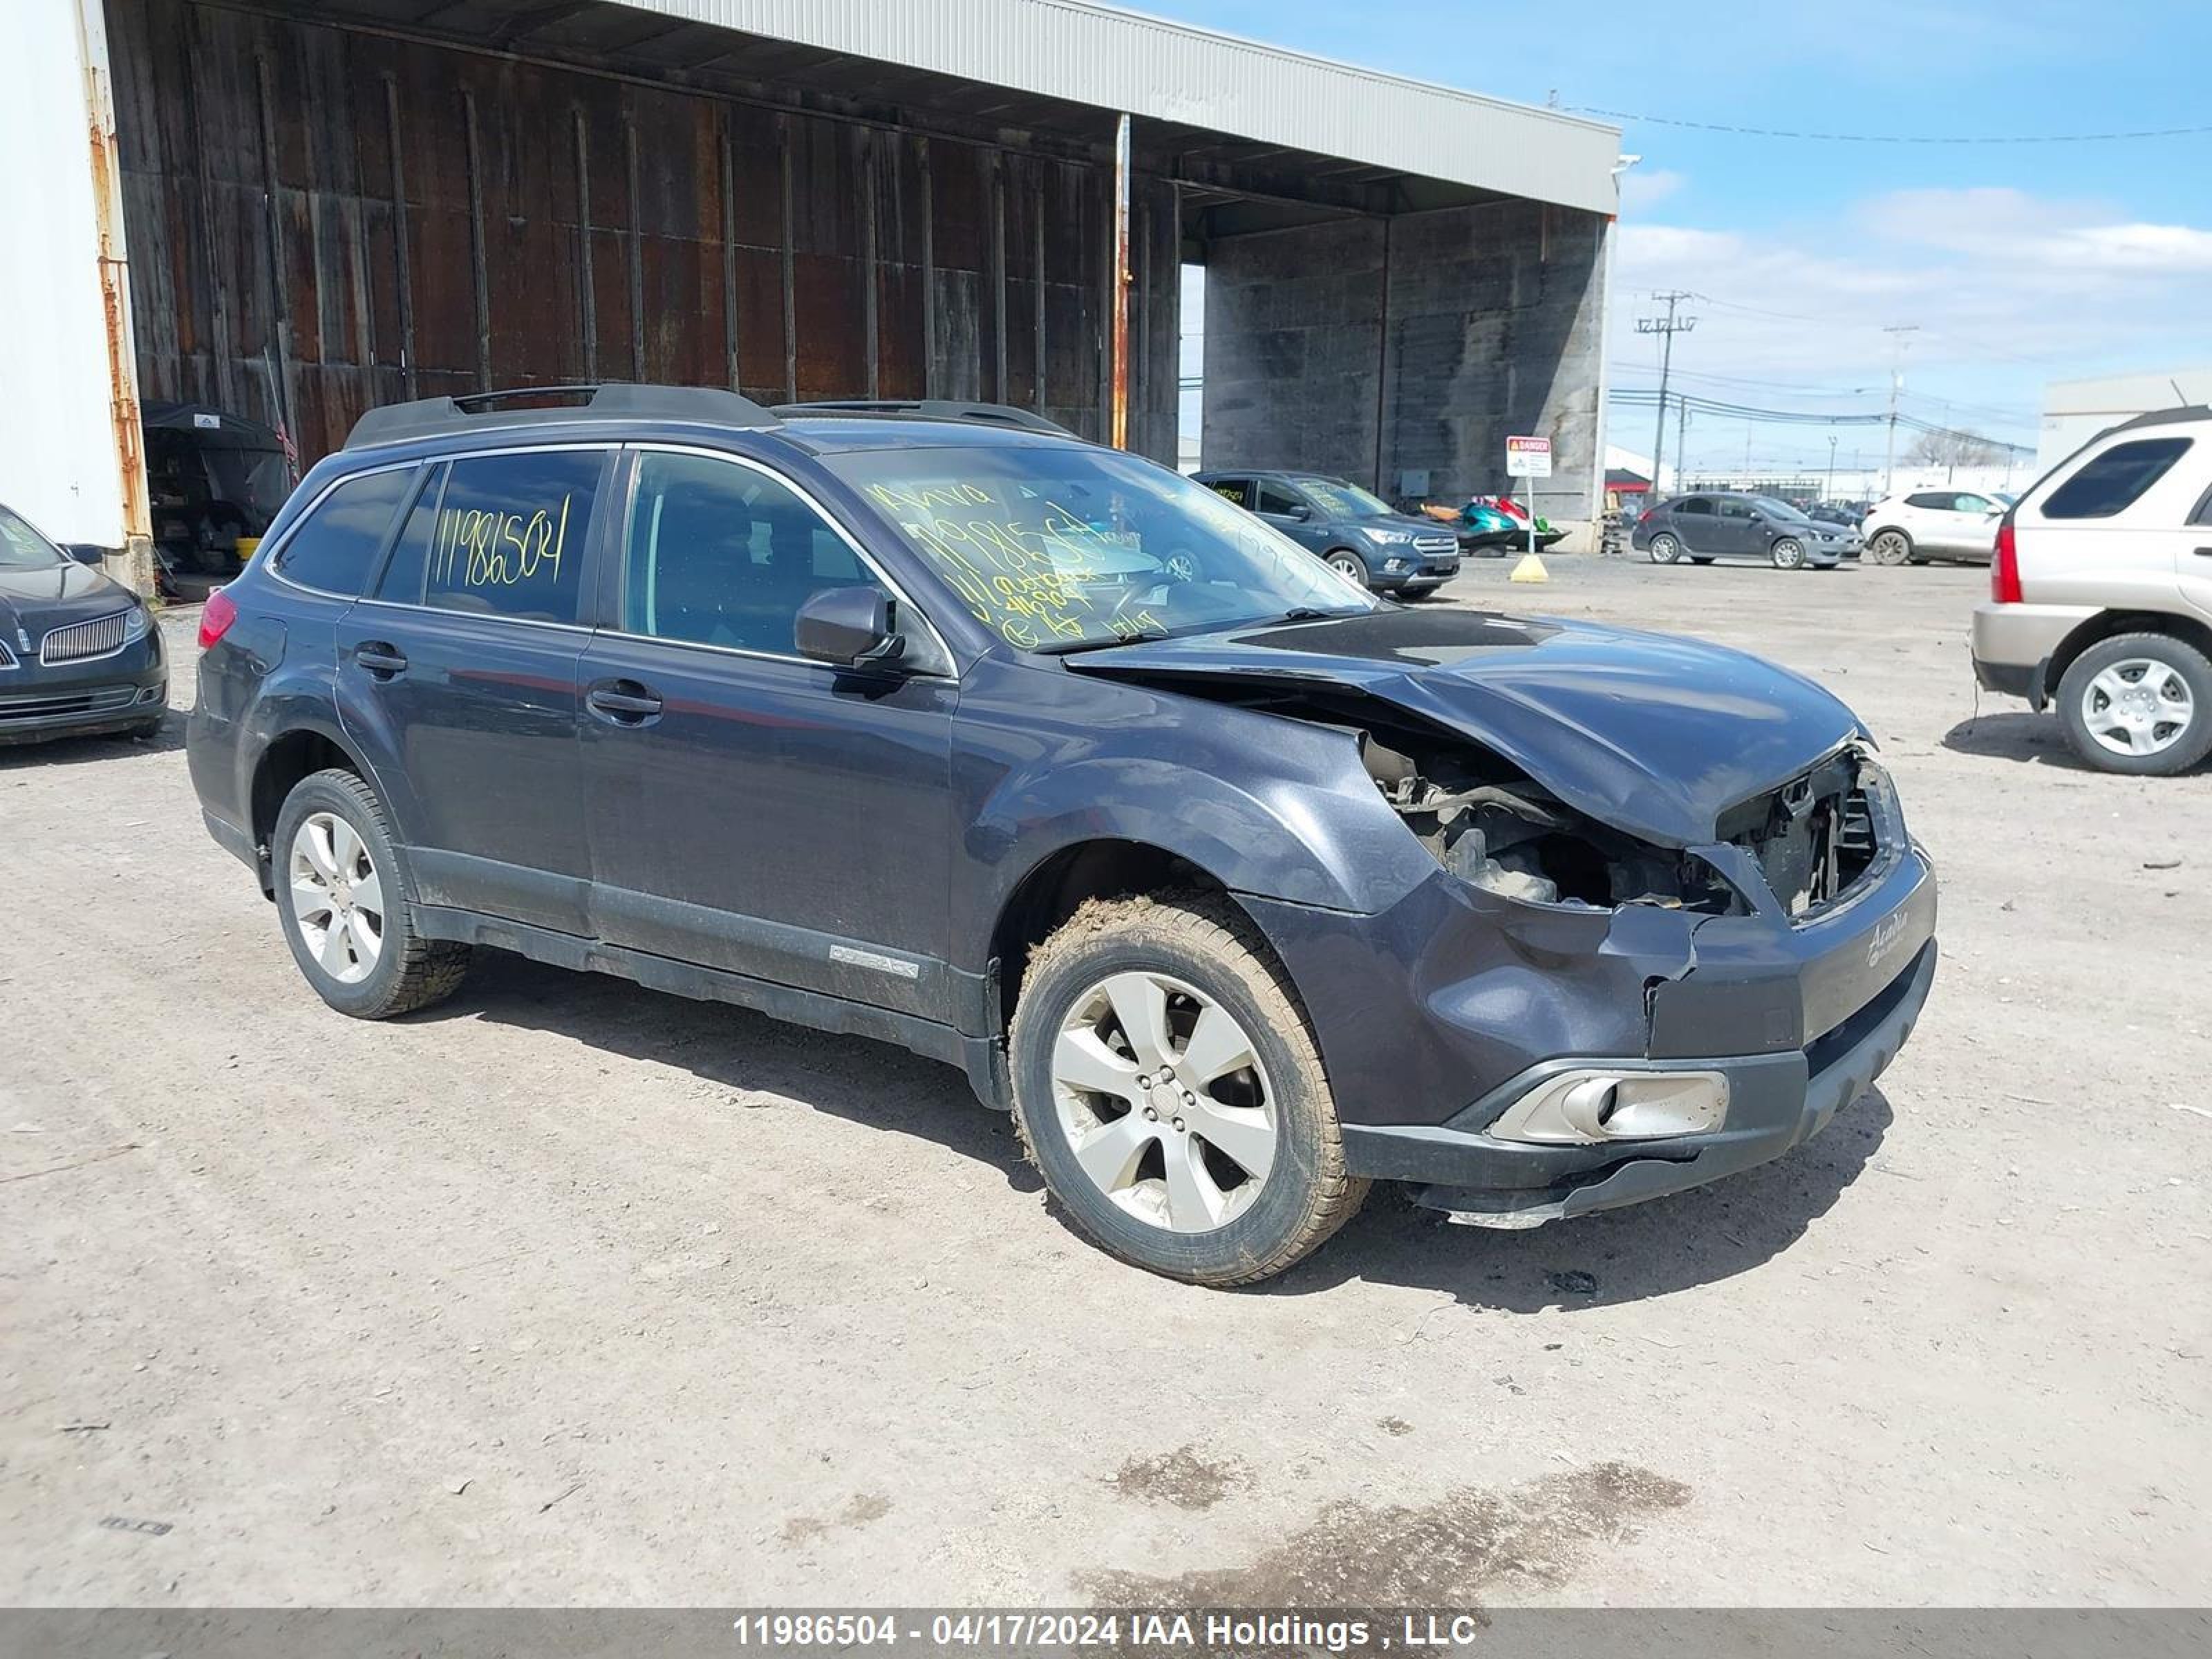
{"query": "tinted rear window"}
pixel 2115 480
pixel 335 548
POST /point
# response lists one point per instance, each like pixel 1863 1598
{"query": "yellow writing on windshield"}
pixel 1034 579
pixel 478 548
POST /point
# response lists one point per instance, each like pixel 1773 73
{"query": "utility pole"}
pixel 1668 326
pixel 1681 443
pixel 1828 493
pixel 1897 332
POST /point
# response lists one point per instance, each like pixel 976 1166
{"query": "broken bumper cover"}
pixel 1775 1103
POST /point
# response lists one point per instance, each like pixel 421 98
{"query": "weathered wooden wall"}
pixel 322 219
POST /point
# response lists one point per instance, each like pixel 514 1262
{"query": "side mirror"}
pixel 848 627
pixel 86 553
pixel 1301 511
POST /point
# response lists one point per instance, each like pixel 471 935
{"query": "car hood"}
pixel 1405 521
pixel 1653 734
pixel 55 593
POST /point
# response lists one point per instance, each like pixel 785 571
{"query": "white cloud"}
pixel 2007 290
pixel 1640 190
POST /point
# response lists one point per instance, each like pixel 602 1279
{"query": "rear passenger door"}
pixel 749 810
pixel 459 671
pixel 1693 521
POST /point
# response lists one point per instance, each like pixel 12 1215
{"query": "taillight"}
pixel 2004 568
pixel 216 618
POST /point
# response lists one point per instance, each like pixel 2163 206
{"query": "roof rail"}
pixel 934 409
pixel 478 412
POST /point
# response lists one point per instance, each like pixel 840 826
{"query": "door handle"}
pixel 383 660
pixel 624 703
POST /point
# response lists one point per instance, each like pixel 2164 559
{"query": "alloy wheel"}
pixel 1789 553
pixel 336 898
pixel 1888 548
pixel 1349 567
pixel 1164 1101
pixel 2138 706
pixel 1664 548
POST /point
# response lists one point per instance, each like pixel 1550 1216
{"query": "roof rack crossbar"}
pixel 476 411
pixel 937 409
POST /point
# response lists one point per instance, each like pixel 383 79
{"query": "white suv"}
pixel 2101 596
pixel 1921 525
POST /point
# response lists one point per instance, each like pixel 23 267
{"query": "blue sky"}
pixel 2019 263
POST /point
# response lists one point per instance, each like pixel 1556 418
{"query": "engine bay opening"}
pixel 1504 833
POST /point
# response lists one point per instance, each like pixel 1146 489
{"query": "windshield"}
pixel 1055 548
pixel 1346 501
pixel 22 547
pixel 1775 509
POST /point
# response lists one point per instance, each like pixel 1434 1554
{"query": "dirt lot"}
pixel 567 1292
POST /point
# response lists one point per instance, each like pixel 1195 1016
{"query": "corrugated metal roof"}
pixel 1115 60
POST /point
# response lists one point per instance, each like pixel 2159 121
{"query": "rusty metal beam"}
pixel 638 364
pixel 279 335
pixel 729 245
pixel 998 274
pixel 929 376
pixel 790 299
pixel 113 260
pixel 1036 287
pixel 871 281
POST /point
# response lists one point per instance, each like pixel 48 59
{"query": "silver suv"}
pixel 2101 596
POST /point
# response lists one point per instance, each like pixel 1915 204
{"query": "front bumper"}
pixel 1776 1102
pixel 108 694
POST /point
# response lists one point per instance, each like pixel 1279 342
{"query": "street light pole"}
pixel 1829 493
pixel 1897 332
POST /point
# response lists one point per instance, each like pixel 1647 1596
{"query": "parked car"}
pixel 79 653
pixel 215 477
pixel 1916 525
pixel 1835 513
pixel 1720 524
pixel 2101 596
pixel 1357 534
pixel 1240 887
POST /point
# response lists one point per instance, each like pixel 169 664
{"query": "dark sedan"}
pixel 78 652
pixel 1721 524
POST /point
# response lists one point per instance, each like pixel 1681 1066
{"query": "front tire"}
pixel 342 900
pixel 1349 566
pixel 1168 1088
pixel 1664 548
pixel 1788 553
pixel 1888 547
pixel 2138 703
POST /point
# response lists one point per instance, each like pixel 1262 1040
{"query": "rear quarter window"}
pixel 335 547
pixel 2111 483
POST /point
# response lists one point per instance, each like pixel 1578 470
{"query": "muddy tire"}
pixel 1888 547
pixel 342 900
pixel 2138 703
pixel 1168 1088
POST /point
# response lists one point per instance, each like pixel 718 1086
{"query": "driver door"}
pixel 1735 527
pixel 1281 507
pixel 748 809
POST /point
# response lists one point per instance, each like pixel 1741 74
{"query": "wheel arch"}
pixel 1059 885
pixel 297 753
pixel 2110 624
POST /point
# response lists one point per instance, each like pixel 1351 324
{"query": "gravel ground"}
pixel 569 1293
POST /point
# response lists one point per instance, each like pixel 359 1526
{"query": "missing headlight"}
pixel 1508 836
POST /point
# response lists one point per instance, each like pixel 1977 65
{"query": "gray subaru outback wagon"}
pixel 1240 887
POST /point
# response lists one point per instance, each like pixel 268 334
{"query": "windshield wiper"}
pixel 1107 644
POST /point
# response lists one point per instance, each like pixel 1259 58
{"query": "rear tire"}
pixel 1888 547
pixel 1664 548
pixel 1147 1127
pixel 341 899
pixel 2139 704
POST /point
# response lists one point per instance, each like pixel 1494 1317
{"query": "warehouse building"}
pixel 296 211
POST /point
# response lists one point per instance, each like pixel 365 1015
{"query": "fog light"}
pixel 1394 566
pixel 1582 1108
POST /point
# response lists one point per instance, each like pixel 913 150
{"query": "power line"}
pixel 1897 138
pixel 1666 328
